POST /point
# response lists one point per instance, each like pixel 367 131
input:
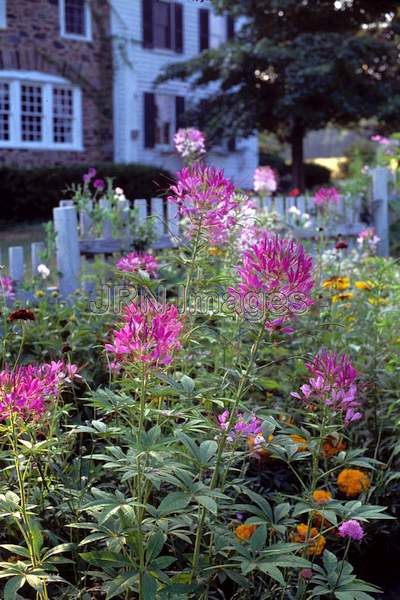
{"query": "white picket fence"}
pixel 75 243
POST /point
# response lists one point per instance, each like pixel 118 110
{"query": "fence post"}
pixel 16 266
pixel 67 246
pixel 380 207
pixel 37 249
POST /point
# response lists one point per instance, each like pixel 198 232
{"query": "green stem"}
pixel 220 451
pixel 139 487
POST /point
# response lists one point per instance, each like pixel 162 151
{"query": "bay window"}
pixel 39 111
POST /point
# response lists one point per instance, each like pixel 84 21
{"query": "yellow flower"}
pixel 352 482
pixel 244 532
pixel 314 540
pixel 300 441
pixel 215 251
pixel 337 283
pixel 339 297
pixel 365 285
pixel 378 301
pixel 39 294
pixel 321 497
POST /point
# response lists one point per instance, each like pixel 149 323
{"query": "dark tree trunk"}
pixel 297 142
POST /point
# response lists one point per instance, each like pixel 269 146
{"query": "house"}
pixel 77 81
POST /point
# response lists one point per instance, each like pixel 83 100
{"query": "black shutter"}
pixel 204 29
pixel 147 18
pixel 178 27
pixel 179 110
pixel 232 144
pixel 230 27
pixel 150 114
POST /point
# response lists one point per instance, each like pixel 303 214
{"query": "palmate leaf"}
pixel 105 558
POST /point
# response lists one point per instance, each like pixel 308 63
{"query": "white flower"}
pixel 293 210
pixel 119 191
pixel 43 271
pixel 259 439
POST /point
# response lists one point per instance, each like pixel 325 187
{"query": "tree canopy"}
pixel 297 65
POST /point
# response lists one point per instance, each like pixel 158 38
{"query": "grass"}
pixel 19 234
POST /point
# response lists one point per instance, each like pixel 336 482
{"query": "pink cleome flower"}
pixel 326 196
pixel 275 278
pixel 351 529
pixel 189 142
pixel 333 382
pixel 149 334
pixel 206 198
pixel 240 426
pixel 265 180
pixel 135 261
pixel 27 389
pixel 7 287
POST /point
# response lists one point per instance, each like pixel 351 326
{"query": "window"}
pixel 214 29
pixel 31 113
pixel 3 14
pixel 204 29
pixel 75 19
pixel 46 111
pixel 162 116
pixel 4 111
pixel 162 25
pixel 165 119
pixel 63 115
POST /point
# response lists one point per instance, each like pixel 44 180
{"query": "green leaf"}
pixel 59 550
pixel 272 571
pixel 208 503
pixel 257 540
pixel 12 586
pixel 154 546
pixel 149 587
pixel 174 502
pixel 19 550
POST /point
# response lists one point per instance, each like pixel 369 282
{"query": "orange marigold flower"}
pixel 322 497
pixel 345 296
pixel 244 532
pixel 352 482
pixel 314 540
pixel 300 441
pixel 337 283
pixel 333 446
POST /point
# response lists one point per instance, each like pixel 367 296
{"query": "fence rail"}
pixel 75 239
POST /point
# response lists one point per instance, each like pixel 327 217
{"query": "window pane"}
pixel 63 113
pixel 165 118
pixel 31 113
pixel 162 25
pixel 4 111
pixel 75 17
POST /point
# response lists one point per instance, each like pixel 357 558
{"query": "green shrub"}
pixel 30 194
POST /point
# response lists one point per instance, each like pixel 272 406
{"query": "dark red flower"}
pixel 294 193
pixel 341 245
pixel 22 314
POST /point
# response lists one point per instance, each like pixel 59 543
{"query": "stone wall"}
pixel 32 42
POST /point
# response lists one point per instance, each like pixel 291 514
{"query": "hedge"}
pixel 31 194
